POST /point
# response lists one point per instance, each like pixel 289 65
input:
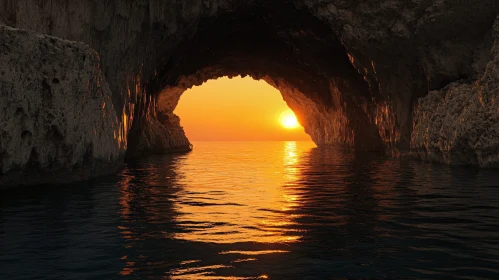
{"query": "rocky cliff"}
pixel 460 123
pixel 351 70
pixel 57 121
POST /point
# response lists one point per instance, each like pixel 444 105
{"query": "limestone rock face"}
pixel 57 121
pixel 460 123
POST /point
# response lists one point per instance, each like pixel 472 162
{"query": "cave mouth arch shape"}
pixel 306 62
pixel 237 109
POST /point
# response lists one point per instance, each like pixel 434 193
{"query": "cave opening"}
pixel 237 109
pixel 286 47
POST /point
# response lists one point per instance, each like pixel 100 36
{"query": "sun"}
pixel 288 120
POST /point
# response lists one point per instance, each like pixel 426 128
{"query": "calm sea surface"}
pixel 258 210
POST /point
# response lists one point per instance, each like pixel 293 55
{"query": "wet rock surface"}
pixel 57 121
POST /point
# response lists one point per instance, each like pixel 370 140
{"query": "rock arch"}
pixel 352 70
pixel 306 63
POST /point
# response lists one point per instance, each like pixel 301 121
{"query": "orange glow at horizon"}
pixel 237 109
pixel 288 120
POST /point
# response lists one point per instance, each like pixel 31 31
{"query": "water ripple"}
pixel 278 210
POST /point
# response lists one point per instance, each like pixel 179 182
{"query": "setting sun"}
pixel 232 110
pixel 288 120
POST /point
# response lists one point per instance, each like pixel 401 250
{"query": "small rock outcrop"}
pixel 460 123
pixel 161 134
pixel 57 121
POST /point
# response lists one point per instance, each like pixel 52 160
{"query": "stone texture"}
pixel 57 122
pixel 460 123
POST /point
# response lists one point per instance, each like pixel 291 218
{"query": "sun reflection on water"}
pixel 248 211
pixel 239 207
pixel 242 198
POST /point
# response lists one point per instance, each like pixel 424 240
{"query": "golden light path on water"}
pixel 258 210
pixel 223 193
pixel 253 210
pixel 245 205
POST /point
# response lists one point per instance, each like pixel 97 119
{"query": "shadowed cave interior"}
pixel 292 51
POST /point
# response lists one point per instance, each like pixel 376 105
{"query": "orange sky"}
pixel 238 109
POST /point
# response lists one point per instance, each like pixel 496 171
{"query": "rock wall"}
pixel 57 121
pixel 460 123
